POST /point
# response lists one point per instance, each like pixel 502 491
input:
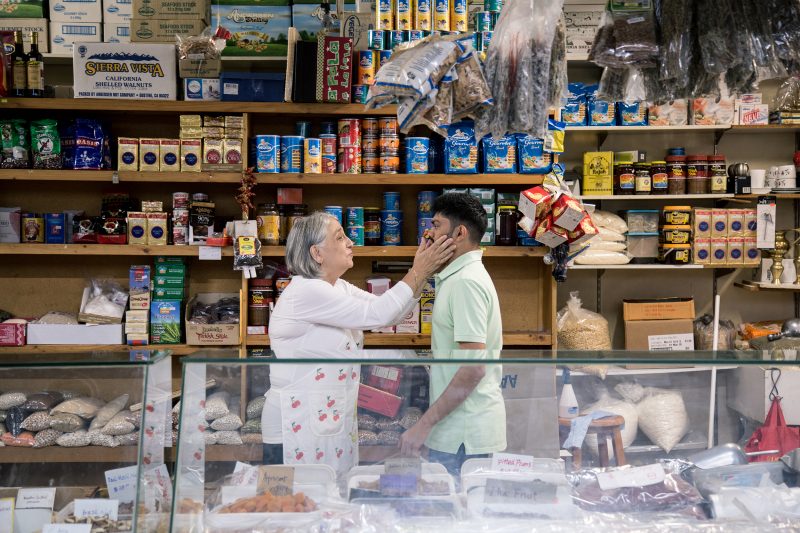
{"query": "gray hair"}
pixel 306 232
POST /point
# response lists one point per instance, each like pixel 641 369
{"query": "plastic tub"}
pixel 642 220
pixel 643 247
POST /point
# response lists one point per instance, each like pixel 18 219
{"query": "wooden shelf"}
pixel 766 128
pixel 542 338
pixel 669 197
pixel 123 176
pixel 758 287
pixel 177 106
pixel 104 249
pixel 44 349
pixel 640 129
pixel 778 196
pixel 57 454
pixel 409 251
pixel 659 267
pixel 431 180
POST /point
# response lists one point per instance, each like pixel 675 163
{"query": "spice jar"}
pixel 507 225
pixel 372 226
pixel 268 221
pixel 297 212
pixel 659 177
pixel 644 184
pixel 260 296
pixel 624 179
pixel 697 178
pixel 676 174
pixel 718 174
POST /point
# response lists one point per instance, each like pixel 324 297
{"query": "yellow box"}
pixel 127 154
pixel 702 251
pixel 735 250
pixel 458 15
pixel 441 15
pixel 702 223
pixel 598 173
pixel 170 155
pixel 423 16
pixel 426 315
pixel 150 154
pixel 384 15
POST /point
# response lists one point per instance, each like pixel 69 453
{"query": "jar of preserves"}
pixel 624 179
pixel 697 178
pixel 659 177
pixel 296 212
pixel 269 221
pixel 676 174
pixel 644 183
pixel 260 296
pixel 718 174
pixel 372 226
pixel 507 225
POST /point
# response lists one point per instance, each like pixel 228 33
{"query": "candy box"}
pixel 634 114
pixel 253 30
pixel 461 149
pixel 535 202
pixel 531 155
pixel 754 114
pixel 377 401
pixel 385 378
pixel 567 212
pixel 549 234
pixel 585 231
pixel 598 177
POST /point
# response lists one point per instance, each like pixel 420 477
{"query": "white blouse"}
pixel 316 320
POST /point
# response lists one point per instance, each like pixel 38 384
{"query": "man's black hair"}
pixel 460 208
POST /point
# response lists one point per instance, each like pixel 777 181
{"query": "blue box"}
pixel 532 157
pixel 602 113
pixel 461 149
pixel 634 114
pixel 499 155
pixel 252 86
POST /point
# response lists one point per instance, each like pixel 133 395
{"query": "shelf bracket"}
pixel 601 139
pixel 115 178
pixel 718 134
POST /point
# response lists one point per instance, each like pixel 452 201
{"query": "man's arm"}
pixel 458 390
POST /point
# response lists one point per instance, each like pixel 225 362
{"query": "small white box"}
pixel 410 322
pixel 753 114
pixel 377 286
pixel 75 334
pixel 115 11
pixel 137 328
pixel 26 26
pixel 63 34
pixel 201 89
pixel 76 11
pixel 137 316
pixel 116 32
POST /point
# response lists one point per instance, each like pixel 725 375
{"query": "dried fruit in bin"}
pixel 267 503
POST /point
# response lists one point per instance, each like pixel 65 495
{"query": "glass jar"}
pixel 283 223
pixel 697 178
pixel 268 221
pixel 676 174
pixel 659 177
pixel 372 226
pixel 624 179
pixel 718 174
pixel 507 225
pixel 259 298
pixel 296 212
pixel 644 183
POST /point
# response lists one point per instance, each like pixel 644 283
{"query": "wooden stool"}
pixel 609 426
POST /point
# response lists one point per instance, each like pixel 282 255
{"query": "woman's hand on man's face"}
pixel 432 255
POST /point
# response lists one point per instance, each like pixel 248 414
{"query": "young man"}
pixel 467 415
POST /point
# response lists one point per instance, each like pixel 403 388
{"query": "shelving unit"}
pixel 120 454
pixel 655 197
pixel 103 250
pixel 412 339
pixel 44 349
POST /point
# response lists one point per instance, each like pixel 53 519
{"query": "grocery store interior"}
pixel 395 265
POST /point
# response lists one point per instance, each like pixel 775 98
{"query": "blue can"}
pixel 292 153
pixel 417 149
pixel 302 128
pixel 391 201
pixel 268 153
pixel 391 227
pixel 360 93
pixel 383 57
pixel 356 234
pixel 396 37
pixel 335 211
pixel 327 128
pixel 54 228
pixel 423 225
pixel 354 216
pixel 677 151
pixel 486 40
pixel 377 40
pixel 415 35
pixel 425 201
pixel 483 21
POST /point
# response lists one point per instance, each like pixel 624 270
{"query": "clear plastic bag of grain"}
pixel 46 437
pixel 580 329
pixel 121 424
pixel 74 440
pixel 37 421
pixel 229 422
pixel 217 405
pixel 255 407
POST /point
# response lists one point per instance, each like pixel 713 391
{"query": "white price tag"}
pixel 67 528
pixel 681 342
pixel 96 508
pixel 510 462
pixel 230 88
pixel 210 253
pixel 36 498
pixel 639 476
pixel 121 483
pixel 6 515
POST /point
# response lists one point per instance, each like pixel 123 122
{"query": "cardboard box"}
pixel 170 9
pixel 76 11
pixel 357 26
pixel 252 86
pixel 75 334
pixel 26 26
pixel 10 224
pixel 256 30
pixel 377 401
pixel 201 89
pixel 169 293
pixel 211 334
pixel 410 322
pixel 199 68
pixel 23 9
pixel 164 31
pixel 139 286
pixel 598 173
pixel 165 322
pixel 659 335
pixel 64 34
pixel 385 378
pixel 117 11
pixel 151 79
pixel 334 69
pixel 754 114
pixel 117 32
pixel 658 309
pixel 13 334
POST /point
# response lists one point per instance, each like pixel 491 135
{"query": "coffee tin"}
pixel 387 126
pixel 391 201
pixel 390 163
pixel 369 127
pixel 396 37
pixel 367 66
pixel 404 15
pixel 483 21
pixel 459 15
pixel 370 163
pixel 360 94
pixel 334 210
pixel 370 144
pixel 377 39
pixel 425 201
pixel 355 234
pixel 383 57
pixel 422 15
pixel 348 160
pixel 354 216
pixel 349 133
pixel 389 144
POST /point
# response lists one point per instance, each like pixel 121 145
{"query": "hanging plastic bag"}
pixel 675 20
pixel 774 434
pixel 716 42
pixel 581 329
pixel 785 26
pixel 558 65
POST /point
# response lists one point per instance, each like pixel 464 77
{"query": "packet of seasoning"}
pixel 46 144
pixel 15 144
pixel 246 253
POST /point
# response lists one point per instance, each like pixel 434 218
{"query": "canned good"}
pixel 302 128
pixel 486 40
pixel 281 284
pixel 329 164
pixel 372 226
pixel 327 128
pixel 360 93
pixel 676 234
pixel 422 15
pixel 370 144
pixel 403 15
pixel 291 154
pixel 389 144
pixel 425 201
pixel 677 215
pixel 180 200
pixel 349 133
pixel 376 40
pixel 180 235
pixel 441 15
pixel 367 67
pixel 348 160
pixel 335 211
pixel 391 227
pixel 387 126
pixel 459 15
pixel 390 163
pixel 391 201
pixel 180 216
pixel 416 35
pixel 32 228
pixel 423 225
pixel 476 40
pixel 396 37
pixel 675 254
pixel 383 57
pixel 370 163
pixel 312 156
pixel 356 234
pixel 385 14
pixel 354 216
pixel 268 154
pixel 328 143
pixel 369 127
pixel 493 5
pixel 199 197
pixel 417 149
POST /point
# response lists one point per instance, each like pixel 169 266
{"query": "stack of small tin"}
pixel 389 145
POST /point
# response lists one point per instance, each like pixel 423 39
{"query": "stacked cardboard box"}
pixel 74 21
pixel 137 318
pixel 159 21
pixel 27 26
pixel 166 308
pixel 659 325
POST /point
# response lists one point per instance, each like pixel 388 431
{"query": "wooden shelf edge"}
pixel 535 338
pixel 43 349
pixel 103 249
pixel 124 176
pixel 759 287
pixel 57 454
pixel 400 179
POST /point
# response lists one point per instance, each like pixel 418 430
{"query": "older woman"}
pixel 310 412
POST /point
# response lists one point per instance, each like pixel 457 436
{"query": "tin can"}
pixel 367 67
pixel 312 156
pixel 268 153
pixel 387 126
pixel 385 14
pixel 354 216
pixel 356 234
pixel 391 227
pixel 390 163
pixel 377 40
pixel 335 211
pixel 199 197
pixel 370 144
pixel 486 39
pixel 441 15
pixel 423 225
pixel 483 21
pixel 416 152
pixel 180 235
pixel 349 133
pixel 329 164
pixel 383 57
pixel 32 228
pixel 291 154
pixel 281 284
pixel 425 201
pixel 302 128
pixel 372 226
pixel 415 35
pixel 328 143
pixel 404 14
pixel 327 128
pixel 180 200
pixel 370 163
pixel 180 216
pixel 476 40
pixel 369 127
pixel 389 144
pixel 348 160
pixel 54 228
pixel 493 5
pixel 391 201
pixel 360 93
pixel 459 15
pixel 395 37
pixel 422 15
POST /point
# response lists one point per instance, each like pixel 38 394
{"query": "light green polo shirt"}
pixel 466 309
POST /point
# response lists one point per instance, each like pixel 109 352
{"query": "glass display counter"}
pixel 400 441
pixel 83 441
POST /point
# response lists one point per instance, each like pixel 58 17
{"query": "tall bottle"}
pixel 568 403
pixel 19 62
pixel 35 69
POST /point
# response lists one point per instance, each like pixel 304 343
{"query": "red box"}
pixel 585 231
pixel 385 378
pixel 290 195
pixel 567 212
pixel 377 401
pixel 334 69
pixel 535 202
pixel 549 234
pixel 13 334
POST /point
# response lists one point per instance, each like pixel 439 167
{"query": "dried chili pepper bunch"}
pixel 244 196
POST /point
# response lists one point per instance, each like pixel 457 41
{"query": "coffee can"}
pixel 268 153
pixel 367 67
pixel 377 39
pixel 391 201
pixel 349 133
pixel 292 154
pixel 360 94
pixel 383 57
pixel 348 160
pixel 369 127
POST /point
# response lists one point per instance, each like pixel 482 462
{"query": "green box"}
pixel 169 293
pixel 26 9
pixel 165 322
pixel 168 282
pixel 169 259
pixel 170 270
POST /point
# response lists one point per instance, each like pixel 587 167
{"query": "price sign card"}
pixel 36 498
pixel 519 492
pixel 121 483
pixel 638 476
pixel 67 528
pixel 6 515
pixel 96 508
pixel 510 462
pixel 277 480
pixel 404 466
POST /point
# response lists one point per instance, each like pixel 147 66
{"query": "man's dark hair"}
pixel 460 208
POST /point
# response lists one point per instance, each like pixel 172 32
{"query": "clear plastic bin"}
pixel 642 220
pixel 643 247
